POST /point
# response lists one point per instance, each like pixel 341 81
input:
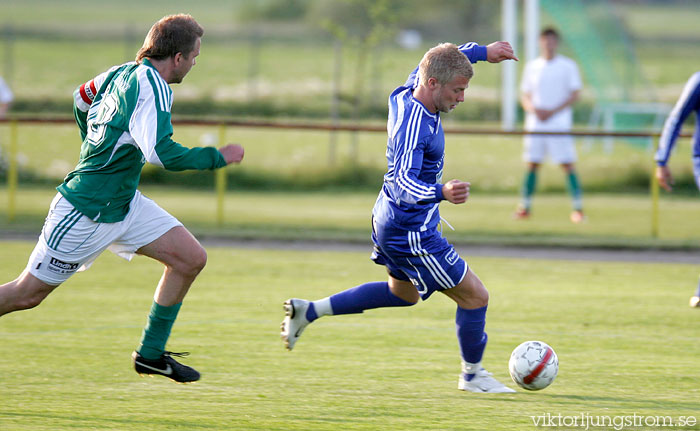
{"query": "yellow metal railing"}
pixel 654 193
pixel 220 176
pixel 12 172
pixel 220 181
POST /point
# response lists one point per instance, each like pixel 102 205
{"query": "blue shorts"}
pixel 425 259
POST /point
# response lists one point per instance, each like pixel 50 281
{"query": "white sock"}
pixel 323 307
pixel 469 368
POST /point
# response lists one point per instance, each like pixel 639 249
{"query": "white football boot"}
pixel 294 321
pixel 482 382
pixel 695 301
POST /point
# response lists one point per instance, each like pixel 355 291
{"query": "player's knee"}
pixel 404 291
pixel 477 297
pixel 198 261
pixel 27 303
pixel 29 300
pixel 24 293
pixel 481 298
pixel 411 299
pixel 191 263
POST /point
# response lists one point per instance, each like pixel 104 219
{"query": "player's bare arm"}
pixel 568 102
pixel 526 102
pixel 456 191
pixel 233 153
pixel 528 106
pixel 546 114
pixel 497 52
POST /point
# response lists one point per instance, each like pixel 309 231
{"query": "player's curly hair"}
pixel 443 62
pixel 170 35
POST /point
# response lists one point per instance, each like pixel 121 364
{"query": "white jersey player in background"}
pixel 551 84
pixel 6 98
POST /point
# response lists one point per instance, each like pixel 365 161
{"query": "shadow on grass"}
pixel 83 419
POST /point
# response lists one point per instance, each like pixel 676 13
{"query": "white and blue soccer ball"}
pixel 533 365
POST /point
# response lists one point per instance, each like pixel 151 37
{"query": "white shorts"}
pixel 71 242
pixel 561 149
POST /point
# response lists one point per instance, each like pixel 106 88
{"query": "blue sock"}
pixel 698 292
pixel 363 297
pixel 311 313
pixel 470 334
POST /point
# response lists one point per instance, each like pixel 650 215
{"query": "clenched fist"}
pixel 456 191
pixel 233 153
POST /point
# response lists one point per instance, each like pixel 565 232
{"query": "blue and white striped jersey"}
pixel 415 153
pixel 687 103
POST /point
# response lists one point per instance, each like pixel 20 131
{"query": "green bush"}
pixel 346 176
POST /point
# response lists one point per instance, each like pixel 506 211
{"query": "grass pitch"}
pixel 626 340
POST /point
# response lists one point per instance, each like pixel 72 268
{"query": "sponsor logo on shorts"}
pixel 62 267
pixel 452 257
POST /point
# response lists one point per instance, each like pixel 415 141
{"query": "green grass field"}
pixel 625 337
pixel 614 220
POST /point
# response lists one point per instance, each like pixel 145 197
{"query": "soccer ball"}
pixel 533 365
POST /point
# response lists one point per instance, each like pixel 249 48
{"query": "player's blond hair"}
pixel 170 35
pixel 444 62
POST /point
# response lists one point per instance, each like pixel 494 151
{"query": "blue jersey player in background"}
pixel 688 103
pixel 405 217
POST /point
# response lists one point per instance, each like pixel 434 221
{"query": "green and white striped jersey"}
pixel 124 120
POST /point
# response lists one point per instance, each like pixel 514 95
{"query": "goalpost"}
pixel 509 33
